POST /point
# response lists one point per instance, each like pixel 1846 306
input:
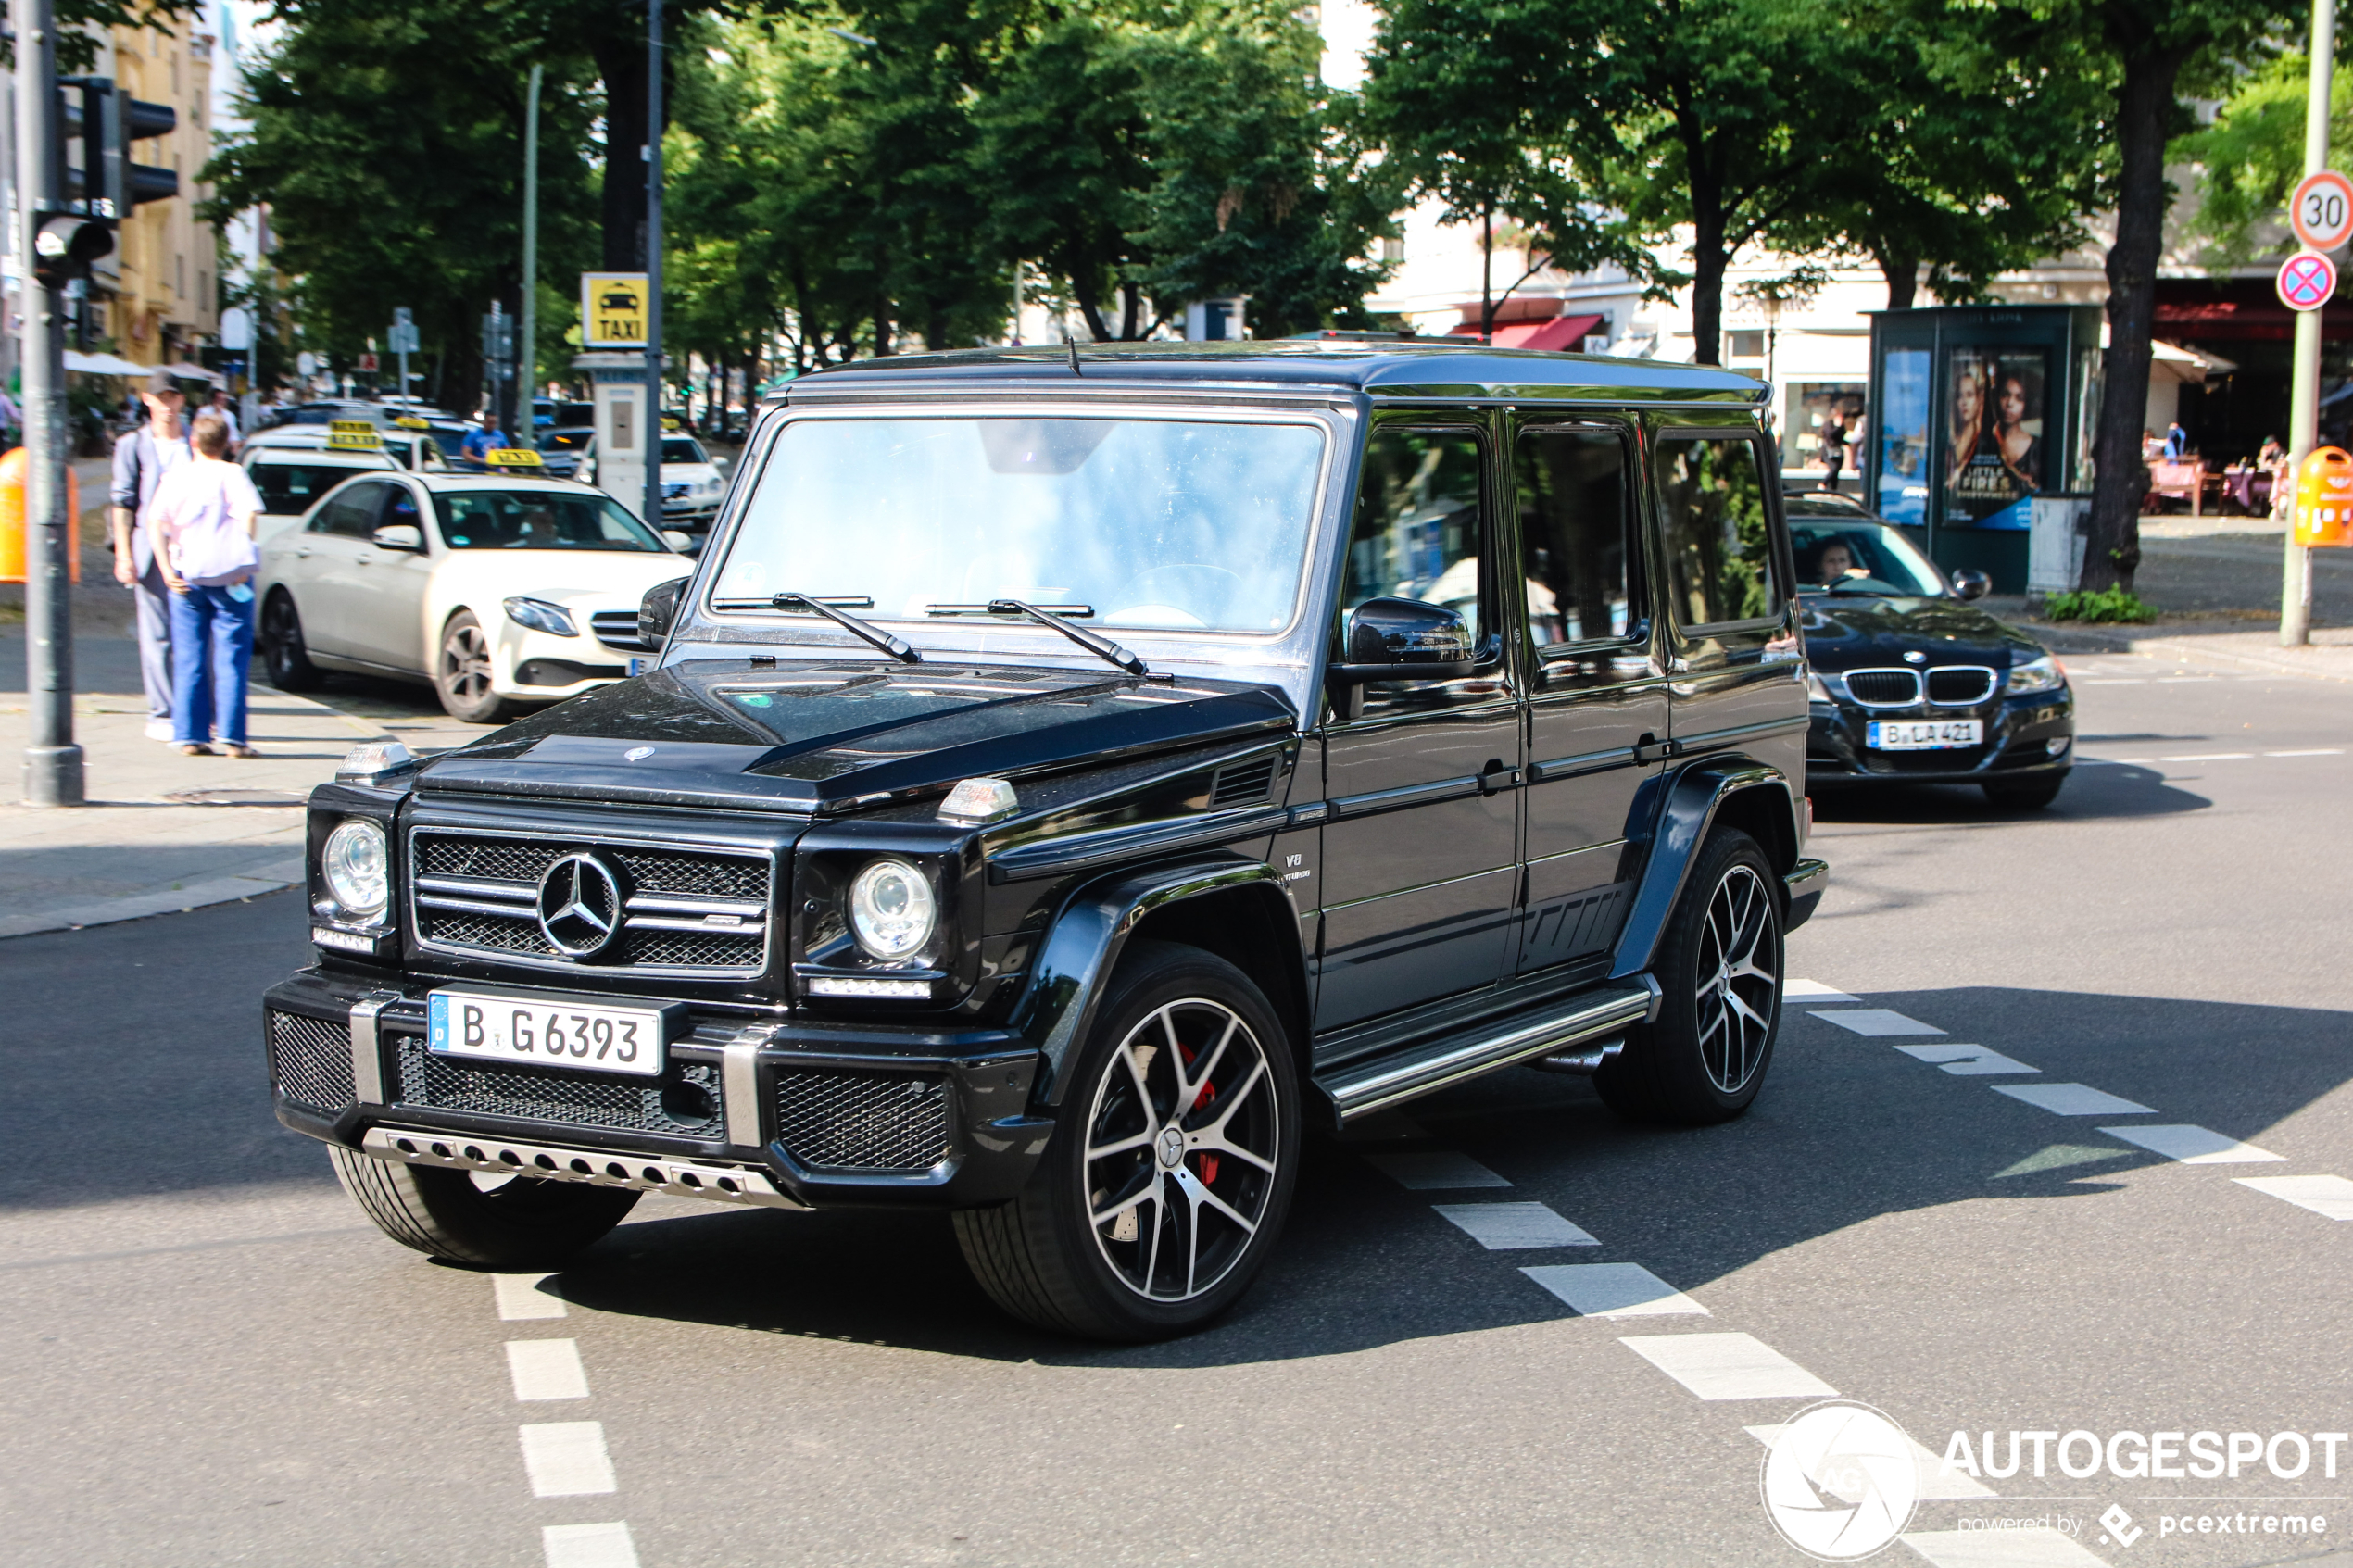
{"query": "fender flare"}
pixel 1691 800
pixel 1057 1008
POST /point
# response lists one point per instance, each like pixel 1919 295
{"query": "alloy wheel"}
pixel 1182 1142
pixel 465 664
pixel 1739 964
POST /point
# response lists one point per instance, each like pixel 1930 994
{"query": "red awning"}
pixel 1559 332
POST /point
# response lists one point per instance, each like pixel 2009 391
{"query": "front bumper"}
pixel 533 666
pixel 793 1115
pixel 2025 737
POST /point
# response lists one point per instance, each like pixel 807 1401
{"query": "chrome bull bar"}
pixel 505 1157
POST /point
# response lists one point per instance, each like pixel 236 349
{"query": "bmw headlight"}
pixel 356 868
pixel 2043 674
pixel 892 910
pixel 541 616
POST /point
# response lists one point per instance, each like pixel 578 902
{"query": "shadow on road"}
pixel 2094 791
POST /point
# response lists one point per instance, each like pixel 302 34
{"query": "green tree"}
pixel 2251 158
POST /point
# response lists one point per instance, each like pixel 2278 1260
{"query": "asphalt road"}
pixel 207 1357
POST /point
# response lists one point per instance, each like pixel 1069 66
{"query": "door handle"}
pixel 1495 776
pixel 1650 749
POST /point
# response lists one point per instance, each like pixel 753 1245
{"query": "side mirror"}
pixel 405 536
pixel 657 610
pixel 1405 640
pixel 1971 583
pixel 679 540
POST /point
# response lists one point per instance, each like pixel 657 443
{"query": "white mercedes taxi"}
pixel 503 592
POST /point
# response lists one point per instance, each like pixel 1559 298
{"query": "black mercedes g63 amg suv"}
pixel 1068 775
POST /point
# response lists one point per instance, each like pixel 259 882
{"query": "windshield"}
pixel 682 449
pixel 538 519
pixel 1196 524
pixel 1861 558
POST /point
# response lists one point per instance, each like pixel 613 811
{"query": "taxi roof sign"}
pixel 346 436
pixel 350 424
pixel 615 309
pixel 513 457
pixel 411 421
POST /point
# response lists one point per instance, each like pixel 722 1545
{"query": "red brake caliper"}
pixel 1207 1096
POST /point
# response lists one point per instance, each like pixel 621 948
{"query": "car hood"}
pixel 488 575
pixel 1850 631
pixel 820 737
pixel 689 473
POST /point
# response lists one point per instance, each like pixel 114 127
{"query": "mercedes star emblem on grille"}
pixel 580 903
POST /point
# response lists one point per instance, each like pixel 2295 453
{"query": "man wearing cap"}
pixel 142 458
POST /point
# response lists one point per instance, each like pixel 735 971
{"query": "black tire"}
pixel 1072 1254
pixel 462 674
pixel 522 1223
pixel 1704 1056
pixel 2025 794
pixel 284 653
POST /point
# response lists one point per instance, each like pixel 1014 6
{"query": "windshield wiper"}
pixel 830 608
pixel 1103 648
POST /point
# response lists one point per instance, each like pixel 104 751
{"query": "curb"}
pixel 270 878
pixel 2073 639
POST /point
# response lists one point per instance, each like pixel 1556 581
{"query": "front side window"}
pixel 538 519
pixel 1421 517
pixel 1574 518
pixel 1719 547
pixel 352 513
pixel 1192 524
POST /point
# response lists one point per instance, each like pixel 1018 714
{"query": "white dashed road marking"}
pixel 2036 1548
pixel 2325 751
pixel 1967 1060
pixel 546 1369
pixel 589 1546
pixel 1502 1227
pixel 1613 1290
pixel 2058 1157
pixel 2073 1099
pixel 1811 992
pixel 2194 1146
pixel 1880 1021
pixel 2210 757
pixel 2330 1196
pixel 1436 1171
pixel 1933 1486
pixel 1728 1366
pixel 521 1299
pixel 567 1459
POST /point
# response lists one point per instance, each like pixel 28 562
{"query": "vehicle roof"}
pixel 316 457
pixel 1385 368
pixel 495 480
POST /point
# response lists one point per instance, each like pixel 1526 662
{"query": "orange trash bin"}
pixel 12 469
pixel 2324 498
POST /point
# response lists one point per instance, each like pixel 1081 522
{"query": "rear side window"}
pixel 1575 520
pixel 351 514
pixel 290 487
pixel 1719 547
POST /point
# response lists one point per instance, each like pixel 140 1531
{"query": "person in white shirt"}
pixel 220 405
pixel 203 522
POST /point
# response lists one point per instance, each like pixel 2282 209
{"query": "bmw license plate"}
pixel 543 1033
pixel 1923 734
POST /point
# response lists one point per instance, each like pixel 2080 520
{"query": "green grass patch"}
pixel 2115 605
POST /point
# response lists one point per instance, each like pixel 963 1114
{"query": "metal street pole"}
pixel 527 340
pixel 52 762
pixel 653 263
pixel 2303 384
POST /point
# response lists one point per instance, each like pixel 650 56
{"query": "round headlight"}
pixel 892 911
pixel 356 868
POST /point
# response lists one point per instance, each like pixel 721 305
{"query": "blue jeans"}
pixel 211 648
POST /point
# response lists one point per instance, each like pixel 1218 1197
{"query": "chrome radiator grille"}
pixel 677 909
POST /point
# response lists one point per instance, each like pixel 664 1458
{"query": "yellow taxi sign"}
pixel 614 308
pixel 411 421
pixel 362 439
pixel 349 426
pixel 512 458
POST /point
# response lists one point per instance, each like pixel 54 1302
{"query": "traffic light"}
pixel 499 344
pixel 96 181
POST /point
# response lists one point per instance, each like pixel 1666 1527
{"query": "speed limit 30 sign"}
pixel 2321 211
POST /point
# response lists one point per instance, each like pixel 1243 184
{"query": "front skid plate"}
pixel 680 1178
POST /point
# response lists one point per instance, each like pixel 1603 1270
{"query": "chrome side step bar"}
pixel 1358 1090
pixel 680 1178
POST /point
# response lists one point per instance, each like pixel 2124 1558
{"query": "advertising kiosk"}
pixel 1982 412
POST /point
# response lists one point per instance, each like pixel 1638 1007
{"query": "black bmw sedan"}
pixel 1910 682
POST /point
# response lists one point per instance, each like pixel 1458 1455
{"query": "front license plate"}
pixel 545 1033
pixel 1924 734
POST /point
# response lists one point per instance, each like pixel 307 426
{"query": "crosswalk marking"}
pixel 1613 1290
pixel 1436 1170
pixel 1878 1022
pixel 1728 1366
pixel 567 1459
pixel 1811 992
pixel 589 1546
pixel 2330 1196
pixel 2193 1145
pixel 1505 1226
pixel 1966 1060
pixel 2073 1099
pixel 521 1298
pixel 2036 1548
